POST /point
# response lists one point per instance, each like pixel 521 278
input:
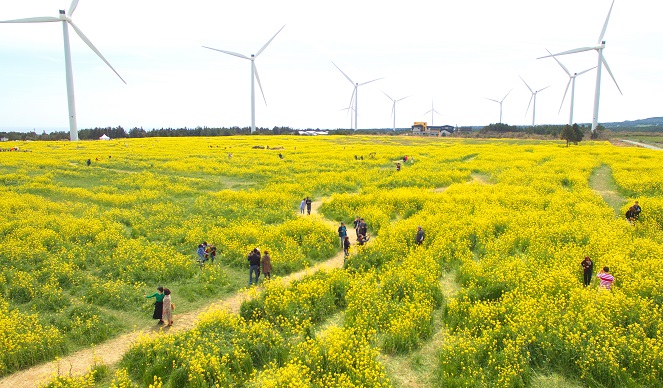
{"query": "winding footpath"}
pixel 111 352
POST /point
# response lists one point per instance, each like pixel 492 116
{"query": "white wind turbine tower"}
pixel 65 18
pixel 393 108
pixel 500 102
pixel 431 111
pixel 354 93
pixel 600 45
pixel 534 93
pixel 254 75
pixel 349 109
pixel 572 82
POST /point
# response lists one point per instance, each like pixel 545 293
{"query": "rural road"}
pixel 636 143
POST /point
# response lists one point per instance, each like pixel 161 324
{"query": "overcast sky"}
pixel 453 53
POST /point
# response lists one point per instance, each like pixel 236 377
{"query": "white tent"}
pixel 104 137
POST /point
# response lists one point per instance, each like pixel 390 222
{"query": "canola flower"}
pixel 513 219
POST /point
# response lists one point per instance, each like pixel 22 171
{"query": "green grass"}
pixel 604 184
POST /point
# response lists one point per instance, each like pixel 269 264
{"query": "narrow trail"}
pixel 416 369
pixel 476 177
pixel 111 352
pixel 603 184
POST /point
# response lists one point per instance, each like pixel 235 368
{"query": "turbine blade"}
pixel 565 91
pixel 346 76
pixel 605 63
pixel 401 99
pixel 505 96
pixel 491 99
pixel 605 25
pixel 585 71
pixel 543 88
pixel 255 72
pixel 368 82
pixel 428 112
pixel 228 52
pixel 530 89
pixel 393 108
pixel 44 19
pixel 388 96
pixel 72 8
pixel 269 41
pixel 578 50
pixel 530 103
pixel 436 112
pixel 90 45
pixel 352 98
pixel 560 63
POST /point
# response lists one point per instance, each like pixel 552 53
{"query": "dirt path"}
pixel 639 144
pixel 476 177
pixel 111 352
pixel 603 184
pixel 416 369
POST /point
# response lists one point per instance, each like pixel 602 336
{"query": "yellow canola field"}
pixel 511 219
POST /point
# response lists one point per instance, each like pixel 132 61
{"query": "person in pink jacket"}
pixel 606 278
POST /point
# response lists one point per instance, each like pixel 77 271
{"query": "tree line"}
pixel 120 133
pixel 571 133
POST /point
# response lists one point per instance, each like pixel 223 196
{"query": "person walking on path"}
pixel 168 307
pixel 254 265
pixel 606 278
pixel 362 228
pixel 356 223
pixel 342 233
pixel 308 205
pixel 587 270
pixel 266 264
pixel 202 252
pixel 420 236
pixel 158 304
pixel 346 246
pixel 302 206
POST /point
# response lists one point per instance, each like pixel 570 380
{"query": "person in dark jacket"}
pixel 587 270
pixel 420 236
pixel 308 205
pixel 346 246
pixel 254 265
pixel 342 233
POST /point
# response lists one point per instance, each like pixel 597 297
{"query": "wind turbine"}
pixel 500 102
pixel 393 108
pixel 431 111
pixel 254 75
pixel 354 93
pixel 600 45
pixel 65 18
pixel 572 82
pixel 530 99
pixel 349 109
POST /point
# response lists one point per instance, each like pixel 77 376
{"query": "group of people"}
pixel 305 204
pixel 257 263
pixel 361 233
pixel 163 306
pixel 206 252
pixel 604 275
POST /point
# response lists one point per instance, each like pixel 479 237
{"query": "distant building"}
pixel 4 139
pixel 423 129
